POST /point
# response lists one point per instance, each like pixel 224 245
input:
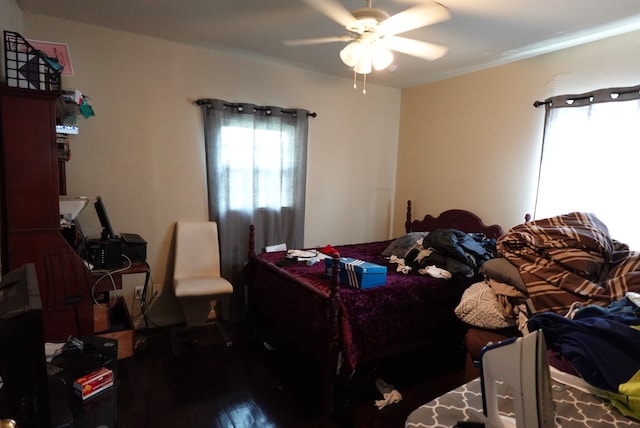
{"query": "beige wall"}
pixel 473 142
pixel 470 142
pixel 143 151
pixel 11 20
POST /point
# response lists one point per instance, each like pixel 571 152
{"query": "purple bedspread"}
pixel 410 310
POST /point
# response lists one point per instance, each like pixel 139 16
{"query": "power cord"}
pixel 108 274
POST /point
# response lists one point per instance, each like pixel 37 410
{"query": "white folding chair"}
pixel 196 278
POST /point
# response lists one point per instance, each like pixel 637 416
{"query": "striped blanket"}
pixel 570 258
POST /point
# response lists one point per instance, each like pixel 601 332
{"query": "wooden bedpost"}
pixel 252 240
pixel 249 278
pixel 331 365
pixel 407 223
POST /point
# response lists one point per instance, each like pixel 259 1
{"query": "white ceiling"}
pixel 480 33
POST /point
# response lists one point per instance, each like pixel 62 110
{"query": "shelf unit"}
pixel 31 185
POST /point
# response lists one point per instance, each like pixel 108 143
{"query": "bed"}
pixel 343 327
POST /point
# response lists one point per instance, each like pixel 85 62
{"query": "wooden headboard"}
pixel 462 220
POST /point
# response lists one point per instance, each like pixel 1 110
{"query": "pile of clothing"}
pixel 451 250
pixel 599 345
pixel 569 258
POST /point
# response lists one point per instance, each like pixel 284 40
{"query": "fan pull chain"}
pixel 364 82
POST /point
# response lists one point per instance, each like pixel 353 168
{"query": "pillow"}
pixel 502 270
pixel 401 246
pixel 480 307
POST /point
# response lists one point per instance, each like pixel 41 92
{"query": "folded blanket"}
pixel 570 258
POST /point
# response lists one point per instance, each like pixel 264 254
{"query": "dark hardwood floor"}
pixel 248 385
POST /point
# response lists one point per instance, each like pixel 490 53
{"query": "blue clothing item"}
pixel 590 311
pixel 604 349
pixel 623 306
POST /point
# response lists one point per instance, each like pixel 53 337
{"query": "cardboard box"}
pixel 115 323
pixel 358 273
pixel 91 384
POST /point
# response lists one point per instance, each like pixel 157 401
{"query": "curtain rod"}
pixel 207 102
pixel 537 104
pixel 548 101
pixel 597 96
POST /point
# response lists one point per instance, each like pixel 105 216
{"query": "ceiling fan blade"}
pixel 417 48
pixel 414 17
pixel 317 40
pixel 333 9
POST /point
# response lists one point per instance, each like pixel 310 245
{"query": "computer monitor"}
pixel 520 365
pixel 107 230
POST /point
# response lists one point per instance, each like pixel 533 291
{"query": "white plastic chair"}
pixel 196 278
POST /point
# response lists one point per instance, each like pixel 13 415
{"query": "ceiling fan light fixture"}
pixel 374 34
pixel 381 57
pixel 366 19
pixel 351 53
pixel 363 65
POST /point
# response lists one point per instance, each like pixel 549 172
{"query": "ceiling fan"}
pixel 372 33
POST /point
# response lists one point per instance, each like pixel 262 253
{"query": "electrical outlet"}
pixel 138 292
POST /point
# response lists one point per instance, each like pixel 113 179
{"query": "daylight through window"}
pixel 590 163
pixel 258 164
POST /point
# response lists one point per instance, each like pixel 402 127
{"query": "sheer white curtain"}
pixel 591 159
pixel 256 161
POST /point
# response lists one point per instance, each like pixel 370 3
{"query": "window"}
pixel 591 158
pixel 258 161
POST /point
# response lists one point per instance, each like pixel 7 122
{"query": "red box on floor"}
pixel 89 385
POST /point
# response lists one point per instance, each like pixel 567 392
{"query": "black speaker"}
pixel 134 247
pixel 105 254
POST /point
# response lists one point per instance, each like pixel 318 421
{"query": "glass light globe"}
pixel 351 53
pixel 364 63
pixel 381 57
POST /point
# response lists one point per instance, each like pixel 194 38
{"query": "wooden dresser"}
pixel 30 230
